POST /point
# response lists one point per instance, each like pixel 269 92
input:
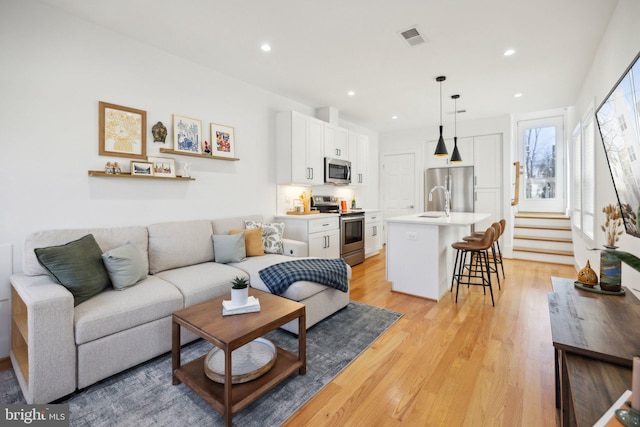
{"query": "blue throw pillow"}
pixel 229 247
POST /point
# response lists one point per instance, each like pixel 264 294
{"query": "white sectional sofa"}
pixel 71 347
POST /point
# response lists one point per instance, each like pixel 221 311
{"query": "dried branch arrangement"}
pixel 613 226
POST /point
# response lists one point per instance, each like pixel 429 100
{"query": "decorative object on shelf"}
pixel 239 291
pixel 187 134
pixel 122 131
pixel 159 132
pixel 441 148
pixel 108 168
pixel 186 169
pixel 610 271
pixel 223 141
pixel 116 168
pixel 455 156
pixel 206 147
pixel 587 276
pixel 248 362
pixel 163 166
pixel 141 168
pixel 613 226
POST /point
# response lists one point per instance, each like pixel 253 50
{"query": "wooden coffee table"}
pixel 229 333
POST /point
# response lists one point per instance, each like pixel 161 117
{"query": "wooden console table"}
pixel 593 337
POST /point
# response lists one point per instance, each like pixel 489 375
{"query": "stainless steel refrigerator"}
pixel 458 180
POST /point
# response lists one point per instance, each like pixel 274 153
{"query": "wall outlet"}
pixel 412 235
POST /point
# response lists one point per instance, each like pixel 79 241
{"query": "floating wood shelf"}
pixel 128 175
pixel 206 156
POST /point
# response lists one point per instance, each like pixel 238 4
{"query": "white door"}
pixel 398 184
pixel 541 154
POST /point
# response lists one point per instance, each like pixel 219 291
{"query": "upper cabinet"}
pixel 300 142
pixel 488 160
pixel 359 157
pixel 336 142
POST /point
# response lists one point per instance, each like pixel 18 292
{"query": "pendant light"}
pixel 441 149
pixel 455 157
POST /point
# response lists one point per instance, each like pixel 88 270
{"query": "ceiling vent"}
pixel 412 36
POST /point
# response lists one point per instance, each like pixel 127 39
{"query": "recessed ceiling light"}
pixel 509 52
pixel 394 117
pixel 517 95
pixel 266 47
pixel 351 93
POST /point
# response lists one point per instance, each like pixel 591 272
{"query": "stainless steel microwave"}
pixel 337 171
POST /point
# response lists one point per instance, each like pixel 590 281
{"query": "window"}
pixel 576 177
pixel 583 176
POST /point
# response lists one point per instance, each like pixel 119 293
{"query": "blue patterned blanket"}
pixel 329 272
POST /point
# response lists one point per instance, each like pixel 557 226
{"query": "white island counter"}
pixel 419 253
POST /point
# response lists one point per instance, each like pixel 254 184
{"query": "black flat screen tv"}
pixel 619 125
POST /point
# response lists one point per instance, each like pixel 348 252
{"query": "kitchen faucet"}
pixel 447 195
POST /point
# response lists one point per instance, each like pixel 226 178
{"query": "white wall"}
pixel 55 70
pixel 620 44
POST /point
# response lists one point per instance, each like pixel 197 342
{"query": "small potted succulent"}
pixel 239 291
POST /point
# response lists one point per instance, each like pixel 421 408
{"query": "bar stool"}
pixel 498 252
pixel 480 251
pixel 493 257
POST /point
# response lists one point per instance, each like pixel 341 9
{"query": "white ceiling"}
pixel 322 49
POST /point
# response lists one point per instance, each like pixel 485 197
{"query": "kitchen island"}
pixel 419 253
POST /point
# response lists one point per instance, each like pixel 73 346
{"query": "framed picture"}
pixel 223 142
pixel 122 131
pixel 163 166
pixel 141 168
pixel 187 134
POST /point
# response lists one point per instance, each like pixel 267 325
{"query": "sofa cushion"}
pixel 107 238
pixel 113 311
pixel 202 282
pixel 271 235
pixel 179 244
pixel 126 266
pixel 298 291
pixel 229 247
pixel 77 266
pixel 252 240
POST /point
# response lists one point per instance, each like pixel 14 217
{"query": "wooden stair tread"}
pixel 542 215
pixel 545 239
pixel 543 251
pixel 543 227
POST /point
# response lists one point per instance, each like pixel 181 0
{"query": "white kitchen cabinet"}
pixel 359 157
pixel 336 142
pixel 487 151
pixel 465 147
pixel 372 232
pixel 321 232
pixel 300 149
pixel 488 200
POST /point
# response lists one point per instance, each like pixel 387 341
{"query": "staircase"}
pixel 543 237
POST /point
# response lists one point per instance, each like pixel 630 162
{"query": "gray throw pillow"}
pixel 77 266
pixel 272 234
pixel 126 266
pixel 229 247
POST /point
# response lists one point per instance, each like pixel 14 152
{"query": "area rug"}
pixel 144 396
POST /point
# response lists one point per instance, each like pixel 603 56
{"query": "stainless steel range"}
pixel 351 228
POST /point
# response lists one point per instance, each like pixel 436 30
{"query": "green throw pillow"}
pixel 77 266
pixel 126 266
pixel 229 247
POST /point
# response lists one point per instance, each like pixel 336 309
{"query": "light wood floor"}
pixel 448 364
